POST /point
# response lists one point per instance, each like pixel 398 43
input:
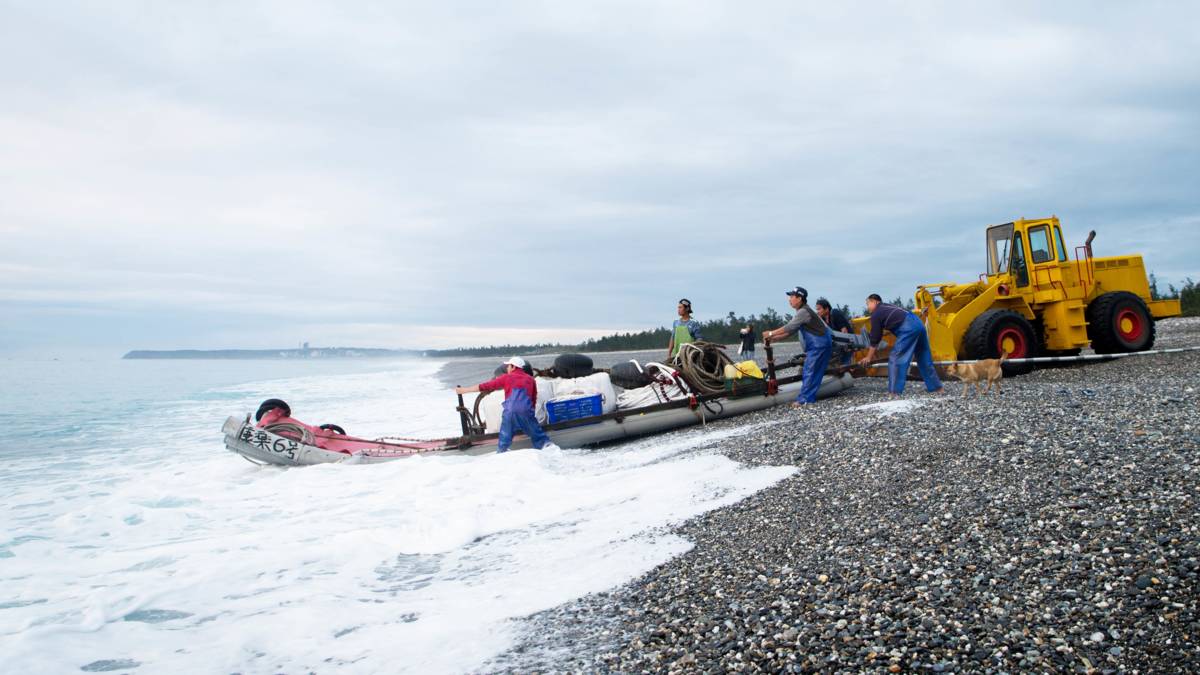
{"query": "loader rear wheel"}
pixel 1002 331
pixel 1120 322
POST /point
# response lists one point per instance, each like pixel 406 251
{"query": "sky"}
pixel 415 175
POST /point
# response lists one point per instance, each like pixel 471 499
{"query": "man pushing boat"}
pixel 520 397
pixel 817 344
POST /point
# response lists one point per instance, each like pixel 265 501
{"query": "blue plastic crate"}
pixel 574 408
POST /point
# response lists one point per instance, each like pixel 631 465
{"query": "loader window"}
pixel 1062 250
pixel 1018 262
pixel 998 238
pixel 1039 245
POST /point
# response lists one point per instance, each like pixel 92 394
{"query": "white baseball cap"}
pixel 515 361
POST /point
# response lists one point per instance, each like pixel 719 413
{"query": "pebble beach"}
pixel 1051 528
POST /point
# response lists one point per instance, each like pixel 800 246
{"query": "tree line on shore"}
pixel 726 330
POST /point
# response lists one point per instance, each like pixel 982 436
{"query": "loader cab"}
pixel 1017 248
pixel 1006 253
pixel 1046 243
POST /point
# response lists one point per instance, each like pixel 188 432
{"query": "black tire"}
pixel 573 365
pixel 628 376
pixel 992 329
pixel 1120 322
pixel 269 405
pixel 334 428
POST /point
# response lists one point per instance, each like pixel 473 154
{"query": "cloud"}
pixel 260 169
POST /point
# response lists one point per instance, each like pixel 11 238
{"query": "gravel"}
pixel 1050 528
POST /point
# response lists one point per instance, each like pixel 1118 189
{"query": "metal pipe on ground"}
pixel 1080 357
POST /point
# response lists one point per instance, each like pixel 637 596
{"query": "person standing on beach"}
pixel 685 329
pixel 817 344
pixel 911 339
pixel 835 319
pixel 520 397
pixel 746 350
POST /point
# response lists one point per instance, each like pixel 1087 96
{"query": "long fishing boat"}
pixel 672 396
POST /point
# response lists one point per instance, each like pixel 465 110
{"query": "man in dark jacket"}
pixel 520 397
pixel 746 349
pixel 911 339
pixel 836 320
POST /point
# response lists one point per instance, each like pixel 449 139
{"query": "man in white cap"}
pixel 520 397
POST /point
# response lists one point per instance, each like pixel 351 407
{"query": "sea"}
pixel 132 541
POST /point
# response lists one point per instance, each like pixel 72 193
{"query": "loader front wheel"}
pixel 1120 322
pixel 1002 331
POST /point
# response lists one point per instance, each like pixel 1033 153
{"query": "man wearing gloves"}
pixel 911 340
pixel 817 344
pixel 520 397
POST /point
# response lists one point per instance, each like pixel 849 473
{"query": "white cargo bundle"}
pixel 552 389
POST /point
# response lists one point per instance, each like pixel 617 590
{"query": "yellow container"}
pixel 747 368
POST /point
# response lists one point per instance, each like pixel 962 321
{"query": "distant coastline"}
pixel 723 330
pixel 305 353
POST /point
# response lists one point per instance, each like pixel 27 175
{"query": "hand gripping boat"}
pixel 273 436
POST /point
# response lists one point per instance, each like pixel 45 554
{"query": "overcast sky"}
pixel 255 174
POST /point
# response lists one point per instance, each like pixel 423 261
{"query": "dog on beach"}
pixel 988 370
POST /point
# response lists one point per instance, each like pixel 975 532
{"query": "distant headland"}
pixel 723 330
pixel 299 353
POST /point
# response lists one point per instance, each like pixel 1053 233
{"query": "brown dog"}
pixel 975 373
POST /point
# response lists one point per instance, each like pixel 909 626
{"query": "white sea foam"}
pixel 897 406
pixel 174 555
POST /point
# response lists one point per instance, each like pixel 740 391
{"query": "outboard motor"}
pixel 844 343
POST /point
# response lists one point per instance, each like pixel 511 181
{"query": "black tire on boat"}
pixel 573 365
pixel 334 428
pixel 628 376
pixel 269 405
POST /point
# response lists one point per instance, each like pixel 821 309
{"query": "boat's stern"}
pixel 264 447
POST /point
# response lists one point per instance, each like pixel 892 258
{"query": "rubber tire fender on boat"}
pixel 269 405
pixel 628 375
pixel 982 338
pixel 334 428
pixel 573 365
pixel 1104 316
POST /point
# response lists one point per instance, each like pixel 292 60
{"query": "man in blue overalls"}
pixel 911 339
pixel 818 344
pixel 520 397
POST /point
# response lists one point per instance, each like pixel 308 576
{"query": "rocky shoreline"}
pixel 1051 528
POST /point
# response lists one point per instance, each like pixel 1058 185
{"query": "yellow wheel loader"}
pixel 1039 299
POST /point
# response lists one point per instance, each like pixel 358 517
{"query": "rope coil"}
pixel 702 366
pixel 294 431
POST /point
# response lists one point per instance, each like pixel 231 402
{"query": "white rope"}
pixel 303 435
